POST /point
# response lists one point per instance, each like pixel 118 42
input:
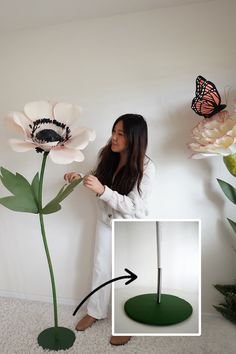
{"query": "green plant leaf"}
pixel 233 224
pixel 227 313
pixel 69 189
pixel 228 190
pixel 16 184
pixel 54 204
pixel 23 204
pixel 59 194
pixel 230 163
pixel 23 198
pixel 35 187
pixel 224 289
pixel 230 299
pixel 51 208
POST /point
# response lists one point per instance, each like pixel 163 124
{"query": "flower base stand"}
pixel 158 309
pixel 56 338
pixel 145 309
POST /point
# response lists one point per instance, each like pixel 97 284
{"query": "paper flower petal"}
pixel 202 156
pixel 18 122
pixel 215 136
pixel 65 155
pixel 48 127
pixel 66 112
pixel 38 110
pixel 21 145
pixel 81 140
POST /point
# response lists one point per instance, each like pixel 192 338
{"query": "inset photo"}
pixel 157 267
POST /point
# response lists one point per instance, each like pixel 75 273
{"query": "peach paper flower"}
pixel 214 136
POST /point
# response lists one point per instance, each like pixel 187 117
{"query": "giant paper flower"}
pixel 51 128
pixel 214 136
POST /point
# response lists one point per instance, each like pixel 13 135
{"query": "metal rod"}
pixel 159 285
pixel 158 263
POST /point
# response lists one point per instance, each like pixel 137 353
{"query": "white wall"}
pixel 145 63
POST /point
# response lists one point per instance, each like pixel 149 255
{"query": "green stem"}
pixel 45 239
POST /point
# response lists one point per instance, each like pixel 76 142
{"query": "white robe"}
pixel 112 205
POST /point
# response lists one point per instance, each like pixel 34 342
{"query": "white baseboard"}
pixel 65 301
pixel 41 298
pixel 211 314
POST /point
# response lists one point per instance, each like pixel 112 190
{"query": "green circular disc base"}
pixel 145 309
pixel 56 338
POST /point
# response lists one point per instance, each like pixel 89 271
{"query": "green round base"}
pixel 56 338
pixel 145 309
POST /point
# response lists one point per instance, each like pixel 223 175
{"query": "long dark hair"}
pixel 136 133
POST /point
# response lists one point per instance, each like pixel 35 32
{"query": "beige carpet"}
pixel 21 321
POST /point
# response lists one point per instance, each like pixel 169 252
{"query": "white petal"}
pixel 92 135
pixel 11 125
pixel 202 156
pixel 233 148
pixel 66 112
pixel 21 145
pixel 79 157
pixel 38 110
pixel 79 130
pixel 222 151
pixel 81 139
pixel 224 142
pixel 65 156
pixel 48 146
pixel 18 122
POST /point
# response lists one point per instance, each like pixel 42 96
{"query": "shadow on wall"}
pixel 226 232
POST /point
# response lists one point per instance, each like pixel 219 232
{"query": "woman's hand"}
pixel 92 183
pixel 71 177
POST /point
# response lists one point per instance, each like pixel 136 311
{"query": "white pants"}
pixel 99 302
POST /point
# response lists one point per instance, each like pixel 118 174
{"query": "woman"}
pixel 122 182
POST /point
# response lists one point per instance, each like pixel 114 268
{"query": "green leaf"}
pixel 7 179
pixel 230 163
pixel 51 208
pixel 227 313
pixel 230 299
pixel 54 204
pixel 35 187
pixel 59 194
pixel 69 189
pixel 23 204
pixel 233 224
pixel 224 289
pixel 16 184
pixel 23 198
pixel 228 190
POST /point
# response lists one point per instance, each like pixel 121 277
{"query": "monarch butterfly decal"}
pixel 207 101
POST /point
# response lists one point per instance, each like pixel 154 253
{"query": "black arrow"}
pixel 131 278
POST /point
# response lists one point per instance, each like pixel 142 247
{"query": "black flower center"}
pixel 48 136
pixel 59 133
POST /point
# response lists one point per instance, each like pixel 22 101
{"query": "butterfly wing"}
pixel 200 85
pixel 206 108
pixel 207 100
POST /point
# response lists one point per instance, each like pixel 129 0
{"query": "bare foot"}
pixel 119 340
pixel 86 322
